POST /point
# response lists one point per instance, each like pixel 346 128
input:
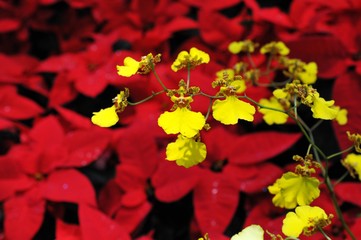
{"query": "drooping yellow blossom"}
pixel 271 116
pixel 306 220
pixel 192 59
pixel 356 139
pixel 275 48
pixel 341 117
pixel 109 116
pixel 323 109
pixel 252 232
pixel 353 164
pixel 242 46
pixel 186 152
pixel 229 110
pixel 105 117
pixel 205 237
pixel 132 66
pixel 183 121
pixel 309 73
pixel 293 189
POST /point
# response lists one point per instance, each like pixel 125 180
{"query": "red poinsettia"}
pixel 41 169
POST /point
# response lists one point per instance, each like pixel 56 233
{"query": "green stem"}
pixel 146 99
pixel 328 182
pixel 341 178
pixel 209 108
pixel 323 233
pixel 340 153
pixel 158 79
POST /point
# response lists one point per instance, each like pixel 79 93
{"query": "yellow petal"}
pixel 231 109
pixel 105 117
pixel 199 54
pixel 253 232
pixel 235 47
pixel 183 121
pixel 291 190
pixel 354 161
pixel 272 116
pixel 130 67
pixel 322 109
pixel 292 225
pixel 186 151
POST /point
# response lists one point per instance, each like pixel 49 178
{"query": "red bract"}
pixel 16 107
pixel 40 169
pixel 346 92
pixel 125 197
pixel 349 192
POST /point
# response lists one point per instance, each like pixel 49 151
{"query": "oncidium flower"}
pixel 299 70
pixel 309 96
pixel 182 120
pixel 306 219
pixel 272 116
pixel 231 109
pixel 242 46
pixel 109 116
pixel 186 152
pixel 190 60
pixel 275 48
pixel 356 139
pixel 252 232
pixel 132 66
pixel 353 164
pixel 296 188
pixel 341 117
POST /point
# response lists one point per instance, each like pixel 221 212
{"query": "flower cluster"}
pixel 101 137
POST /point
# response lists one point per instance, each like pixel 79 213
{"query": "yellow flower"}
pixel 274 48
pixel 130 67
pixel 272 116
pixel 306 220
pixel 309 73
pixel 105 117
pixel 353 163
pixel 186 152
pixel 341 117
pixel 323 109
pixel 356 139
pixel 292 189
pixel 109 116
pixel 192 59
pixel 183 121
pixel 241 46
pixel 231 109
pixel 252 232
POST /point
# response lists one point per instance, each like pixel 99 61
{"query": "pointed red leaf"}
pixel 172 182
pixel 95 225
pixel 327 51
pixel 73 119
pixel 109 197
pixel 69 186
pixel 130 218
pixel 65 231
pixel 266 175
pixel 346 93
pixel 11 178
pixel 47 131
pixel 86 146
pixel 26 210
pixel 62 91
pixel 215 201
pixel 15 106
pixel 8 24
pixel 257 147
pixel 212 5
pixel 349 192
